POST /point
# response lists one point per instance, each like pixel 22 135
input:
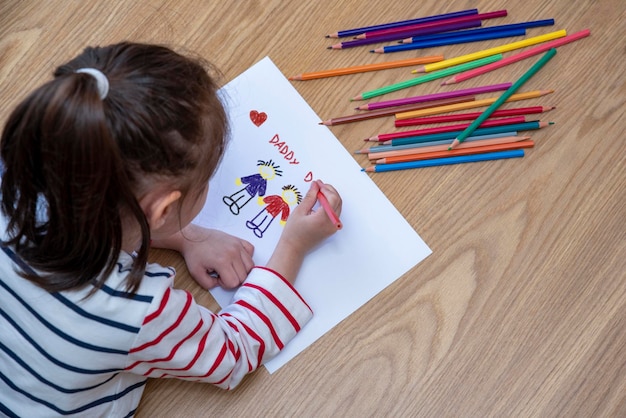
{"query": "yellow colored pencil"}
pixel 426 68
pixel 470 105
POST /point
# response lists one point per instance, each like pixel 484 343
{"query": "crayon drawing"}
pixel 254 184
pixel 275 206
pixel 336 278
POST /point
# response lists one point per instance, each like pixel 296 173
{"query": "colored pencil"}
pixel 379 149
pixel 427 77
pixel 424 31
pixel 428 97
pixel 524 25
pixel 525 126
pixel 489 156
pixel 443 146
pixel 357 31
pixel 426 120
pixel 453 40
pixel 463 106
pixel 517 57
pixel 504 97
pixel 329 211
pixel 408 29
pixel 447 128
pixel 457 151
pixel 357 117
pixel 367 67
pixel 426 68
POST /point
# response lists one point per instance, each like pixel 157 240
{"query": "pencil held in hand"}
pixel 329 210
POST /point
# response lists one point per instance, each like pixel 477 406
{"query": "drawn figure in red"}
pixel 275 206
pixel 254 185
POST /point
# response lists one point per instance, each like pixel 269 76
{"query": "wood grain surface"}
pixel 520 310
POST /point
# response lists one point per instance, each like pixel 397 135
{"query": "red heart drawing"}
pixel 308 177
pixel 258 117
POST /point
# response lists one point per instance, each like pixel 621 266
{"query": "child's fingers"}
pixel 332 196
pixel 310 198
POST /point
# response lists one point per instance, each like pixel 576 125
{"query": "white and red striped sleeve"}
pixel 181 339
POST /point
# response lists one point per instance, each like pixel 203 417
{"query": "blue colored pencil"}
pixel 522 25
pixel 434 162
pixel 358 31
pixel 452 40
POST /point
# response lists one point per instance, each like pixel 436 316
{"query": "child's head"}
pixel 78 158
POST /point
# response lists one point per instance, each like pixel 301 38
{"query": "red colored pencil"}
pixel 425 120
pixel 447 128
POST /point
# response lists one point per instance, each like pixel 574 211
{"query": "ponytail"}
pixel 65 197
pixel 81 147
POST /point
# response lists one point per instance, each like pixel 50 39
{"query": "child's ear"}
pixel 159 206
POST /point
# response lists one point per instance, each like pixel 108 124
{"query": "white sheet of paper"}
pixel 376 245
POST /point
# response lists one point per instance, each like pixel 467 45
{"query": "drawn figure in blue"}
pixel 274 206
pixel 254 185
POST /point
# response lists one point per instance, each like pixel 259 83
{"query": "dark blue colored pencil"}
pixel 525 25
pixel 452 40
pixel 358 31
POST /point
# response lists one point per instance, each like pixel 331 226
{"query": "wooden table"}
pixel 521 308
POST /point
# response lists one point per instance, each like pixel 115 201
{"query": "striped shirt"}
pixel 67 354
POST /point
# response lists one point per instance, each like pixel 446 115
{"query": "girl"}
pixel 112 155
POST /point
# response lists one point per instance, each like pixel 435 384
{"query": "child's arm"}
pixel 208 251
pixel 181 339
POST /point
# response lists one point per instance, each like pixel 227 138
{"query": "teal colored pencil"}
pixel 383 148
pixel 505 96
pixel 433 162
pixel 429 77
pixel 523 126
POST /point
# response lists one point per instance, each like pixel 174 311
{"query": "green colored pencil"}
pixel 508 93
pixel 429 77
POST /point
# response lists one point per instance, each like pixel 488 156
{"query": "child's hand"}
pixel 304 230
pixel 215 258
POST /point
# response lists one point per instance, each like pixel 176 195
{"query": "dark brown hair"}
pixel 74 162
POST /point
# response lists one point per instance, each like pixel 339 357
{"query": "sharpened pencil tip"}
pixel 329 47
pixel 372 51
pixel 550 123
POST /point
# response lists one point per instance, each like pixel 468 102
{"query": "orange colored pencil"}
pixel 444 147
pixel 456 151
pixel 470 105
pixel 368 67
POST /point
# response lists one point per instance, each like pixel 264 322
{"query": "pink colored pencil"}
pixel 517 57
pixel 435 96
pixel 329 211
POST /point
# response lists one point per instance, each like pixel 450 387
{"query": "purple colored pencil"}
pixel 402 35
pixel 435 96
pixel 358 31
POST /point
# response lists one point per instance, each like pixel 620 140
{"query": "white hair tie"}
pixel 101 80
